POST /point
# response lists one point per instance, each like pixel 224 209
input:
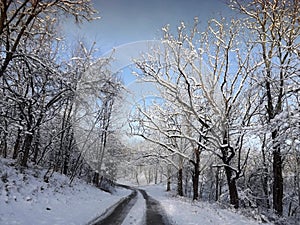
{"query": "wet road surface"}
pixel 155 214
pixel 119 213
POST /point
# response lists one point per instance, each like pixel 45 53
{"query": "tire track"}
pixel 154 212
pixel 117 213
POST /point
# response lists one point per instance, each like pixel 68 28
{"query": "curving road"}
pixel 155 214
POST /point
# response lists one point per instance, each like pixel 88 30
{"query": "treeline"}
pixel 56 99
pixel 227 119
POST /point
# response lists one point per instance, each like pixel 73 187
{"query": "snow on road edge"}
pixel 184 211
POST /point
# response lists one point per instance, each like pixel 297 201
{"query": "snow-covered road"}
pixel 26 200
pixel 152 213
pixel 156 206
pixel 116 214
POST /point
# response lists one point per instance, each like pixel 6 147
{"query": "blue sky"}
pixel 125 21
pixel 128 22
pixel 126 25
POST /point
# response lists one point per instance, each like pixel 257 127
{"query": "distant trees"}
pixel 96 93
pixel 160 125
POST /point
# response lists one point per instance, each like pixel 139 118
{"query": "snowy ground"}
pixel 184 211
pixel 27 200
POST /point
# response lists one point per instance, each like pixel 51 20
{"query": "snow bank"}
pixel 25 199
pixel 184 211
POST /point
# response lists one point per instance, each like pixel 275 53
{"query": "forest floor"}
pixel 26 200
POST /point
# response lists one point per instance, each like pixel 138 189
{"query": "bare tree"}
pixel 30 70
pixel 204 76
pixel 275 28
pixel 24 21
pixel 96 93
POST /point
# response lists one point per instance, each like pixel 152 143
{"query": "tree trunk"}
pixel 155 174
pixel 277 159
pixel 3 145
pixel 179 182
pixel 217 184
pixel 17 144
pixel 195 186
pixel 169 184
pixel 278 182
pixel 96 178
pixel 186 182
pixel 196 175
pixel 168 178
pixel 137 177
pixel 27 146
pixel 68 151
pixel 265 179
pixel 233 193
pixel 36 146
pixel 297 172
pixel 66 163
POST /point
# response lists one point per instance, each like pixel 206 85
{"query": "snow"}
pixel 136 214
pixel 184 211
pixel 25 199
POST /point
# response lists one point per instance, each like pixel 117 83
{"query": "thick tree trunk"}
pixel 277 159
pixel 278 182
pixel 196 175
pixel 277 175
pixel 3 146
pixel 27 146
pixel 96 178
pixel 169 184
pixel 196 185
pixel 233 193
pixel 179 182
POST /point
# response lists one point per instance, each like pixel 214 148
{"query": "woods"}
pixel 222 125
pixel 46 83
pixel 227 97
